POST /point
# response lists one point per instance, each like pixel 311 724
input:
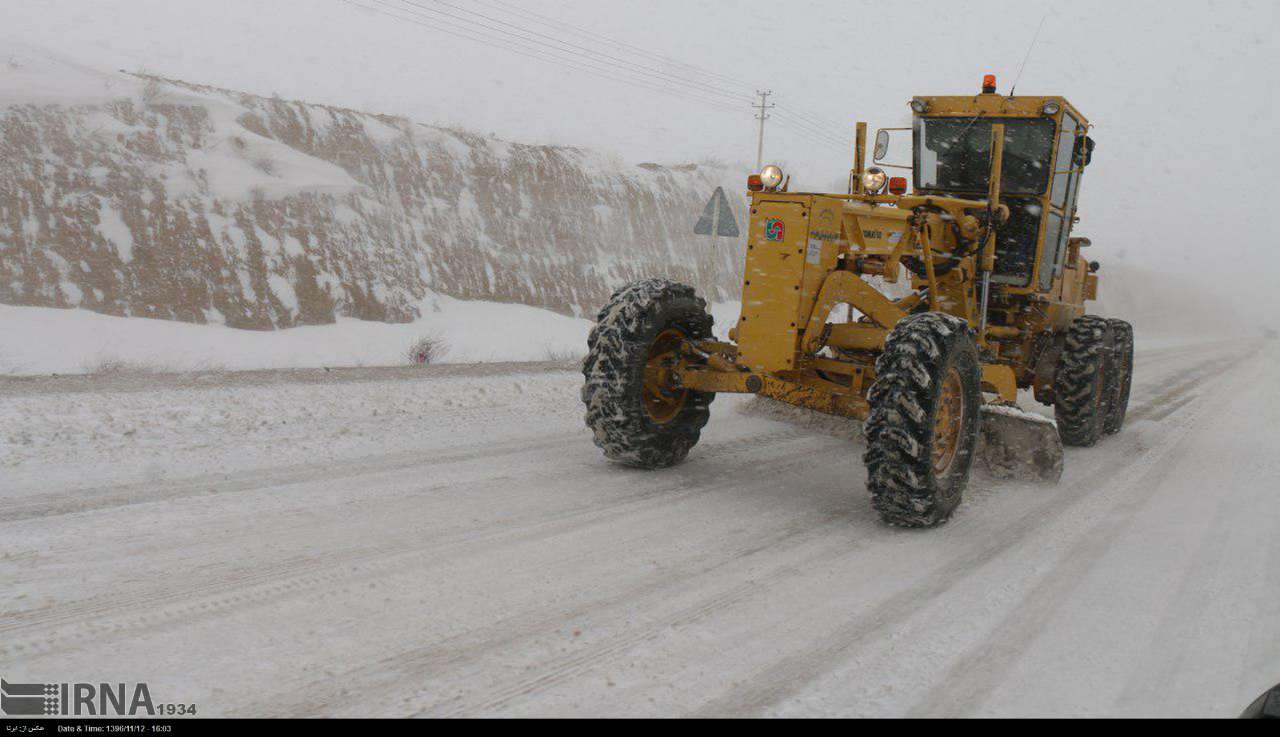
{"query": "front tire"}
pixel 639 418
pixel 923 427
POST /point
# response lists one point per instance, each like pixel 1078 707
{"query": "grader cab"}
pixel 918 305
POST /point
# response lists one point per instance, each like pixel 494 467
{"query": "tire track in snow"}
pixel 985 666
pixel 565 668
pixel 39 631
pixel 1263 646
pixel 788 676
pixel 435 660
pixel 709 451
pixel 90 500
pixel 99 498
pixel 490 640
pixel 1171 400
pixel 1235 555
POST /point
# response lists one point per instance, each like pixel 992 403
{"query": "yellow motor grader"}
pixel 990 286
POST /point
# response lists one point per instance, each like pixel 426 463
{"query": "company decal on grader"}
pixel 775 230
pixel 879 235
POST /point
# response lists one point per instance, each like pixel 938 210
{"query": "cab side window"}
pixel 1062 197
pixel 1064 164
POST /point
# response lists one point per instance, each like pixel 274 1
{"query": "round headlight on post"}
pixel 919 107
pixel 874 180
pixel 771 177
pixel 1051 107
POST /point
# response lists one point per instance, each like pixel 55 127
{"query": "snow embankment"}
pixel 45 340
pixel 41 340
pixel 132 194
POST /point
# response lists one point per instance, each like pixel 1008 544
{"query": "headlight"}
pixel 874 180
pixel 1051 108
pixel 920 107
pixel 771 176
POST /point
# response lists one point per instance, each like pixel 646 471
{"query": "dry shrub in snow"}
pixel 552 354
pixel 265 164
pixel 615 163
pixel 110 366
pixel 427 350
pixel 151 87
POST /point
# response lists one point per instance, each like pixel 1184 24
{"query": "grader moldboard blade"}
pixel 1020 445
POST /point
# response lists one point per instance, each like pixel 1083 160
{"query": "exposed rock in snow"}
pixel 133 195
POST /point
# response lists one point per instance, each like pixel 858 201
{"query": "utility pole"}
pixel 763 107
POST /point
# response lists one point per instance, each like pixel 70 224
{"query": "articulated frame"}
pixel 810 254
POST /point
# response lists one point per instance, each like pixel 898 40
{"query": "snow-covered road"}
pixel 449 542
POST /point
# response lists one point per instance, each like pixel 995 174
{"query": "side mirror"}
pixel 882 145
pixel 1084 151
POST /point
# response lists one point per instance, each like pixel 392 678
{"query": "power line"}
pixel 815 121
pixel 626 73
pixel 808 135
pixel 797 130
pixel 820 126
pixel 801 133
pixel 570 48
pixel 598 38
pixel 533 52
pixel 790 119
pixel 825 145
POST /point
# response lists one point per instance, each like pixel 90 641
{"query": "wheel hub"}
pixel 661 397
pixel 948 422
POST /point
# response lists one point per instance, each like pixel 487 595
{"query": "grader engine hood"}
pixel 794 242
pixel 780 250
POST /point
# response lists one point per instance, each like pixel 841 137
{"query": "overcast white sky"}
pixel 1182 94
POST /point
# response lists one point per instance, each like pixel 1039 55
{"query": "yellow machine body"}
pixel 820 269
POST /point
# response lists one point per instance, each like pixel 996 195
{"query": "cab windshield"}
pixel 954 154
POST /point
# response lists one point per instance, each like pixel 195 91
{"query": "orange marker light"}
pixel 989 84
pixel 755 183
pixel 898 185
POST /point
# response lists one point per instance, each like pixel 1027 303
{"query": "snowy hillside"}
pixel 131 195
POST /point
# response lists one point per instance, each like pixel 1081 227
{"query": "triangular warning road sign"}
pixel 717 219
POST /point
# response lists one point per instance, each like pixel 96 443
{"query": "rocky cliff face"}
pixel 134 195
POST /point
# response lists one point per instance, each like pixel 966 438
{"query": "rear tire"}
pixel 631 423
pixel 1123 349
pixel 1085 383
pixel 923 426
